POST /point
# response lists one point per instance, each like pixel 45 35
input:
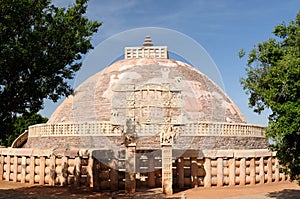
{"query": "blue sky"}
pixel 222 27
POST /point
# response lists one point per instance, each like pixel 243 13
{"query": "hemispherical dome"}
pixel 148 90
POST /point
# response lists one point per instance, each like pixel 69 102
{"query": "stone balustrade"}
pixel 102 170
pixel 223 129
pixel 107 129
pixel 73 129
pixel 20 140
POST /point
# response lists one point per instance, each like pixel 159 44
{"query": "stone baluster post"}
pixel 23 169
pixel 130 156
pixel 180 172
pixel 194 172
pixel 231 163
pixel 242 171
pixel 277 173
pixel 167 174
pixel 151 174
pixel 15 170
pixel 220 172
pixel 1 166
pixel 96 171
pixel 207 168
pixel 114 175
pixel 269 172
pixel 261 171
pixel 166 142
pixel 252 172
pixel 42 169
pixel 130 181
pixel 64 171
pixel 283 177
pixel 7 168
pixel 137 168
pixel 90 173
pixel 31 170
pixel 77 171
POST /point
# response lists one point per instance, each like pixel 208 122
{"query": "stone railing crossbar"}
pixel 107 129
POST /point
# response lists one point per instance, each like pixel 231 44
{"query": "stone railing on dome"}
pixel 73 129
pixel 207 129
pixel 107 129
pixel 223 129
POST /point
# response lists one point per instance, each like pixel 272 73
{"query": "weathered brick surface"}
pixel 74 142
pixel 105 97
pixel 96 98
pixel 216 143
pixel 148 143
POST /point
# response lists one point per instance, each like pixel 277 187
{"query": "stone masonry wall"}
pixel 147 143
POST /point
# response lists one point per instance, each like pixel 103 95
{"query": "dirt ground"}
pixel 282 190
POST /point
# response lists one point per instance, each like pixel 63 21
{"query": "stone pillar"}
pixel 7 168
pixel 220 172
pixel 283 177
pixel 64 171
pixel 90 175
pixel 137 169
pixel 114 175
pixel 261 171
pixel 194 172
pixel 242 171
pixel 180 172
pixel 269 172
pixel 1 167
pixel 167 174
pixel 231 163
pixel 42 169
pixel 23 169
pixel 130 182
pixel 32 167
pixel 15 175
pixel 77 171
pixel 151 174
pixel 96 170
pixel 207 168
pixel 277 173
pixel 252 172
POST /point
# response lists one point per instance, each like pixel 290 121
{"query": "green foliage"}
pixel 21 123
pixel 242 53
pixel 273 81
pixel 41 47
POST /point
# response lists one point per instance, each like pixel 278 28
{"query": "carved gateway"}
pixel 150 104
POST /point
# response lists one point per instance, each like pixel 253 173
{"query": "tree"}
pixel 273 81
pixel 21 123
pixel 41 47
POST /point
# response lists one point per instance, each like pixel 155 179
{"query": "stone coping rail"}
pixel 108 129
pixel 106 153
pixel 20 140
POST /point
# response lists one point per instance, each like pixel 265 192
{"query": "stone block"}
pixel 186 153
pixel 262 153
pixel 217 153
pixel 244 153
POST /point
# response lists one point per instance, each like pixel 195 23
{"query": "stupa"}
pixel 150 93
pixel 145 120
